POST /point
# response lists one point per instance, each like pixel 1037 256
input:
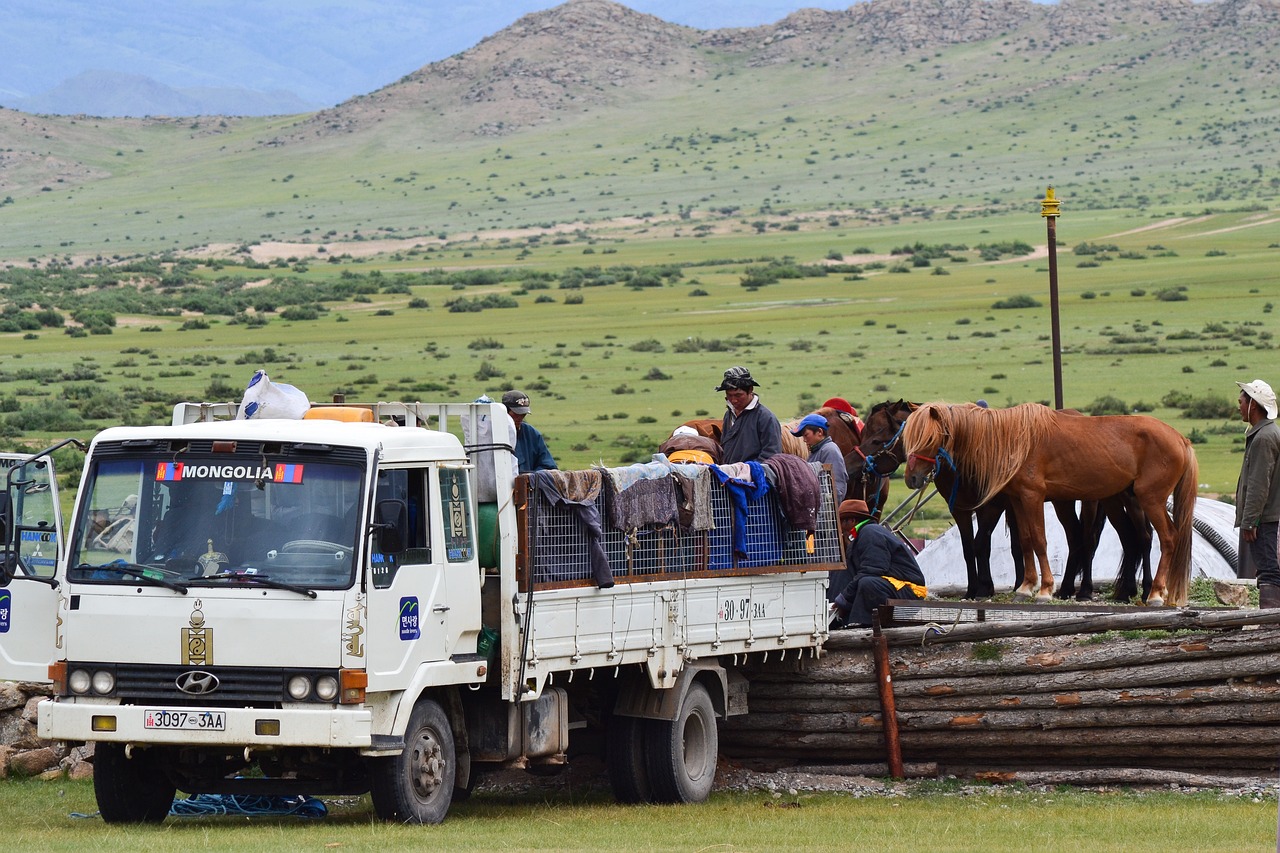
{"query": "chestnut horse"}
pixel 880 445
pixel 1030 454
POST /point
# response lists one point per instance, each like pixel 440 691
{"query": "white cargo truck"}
pixel 328 606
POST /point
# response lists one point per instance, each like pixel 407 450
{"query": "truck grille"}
pixel 141 683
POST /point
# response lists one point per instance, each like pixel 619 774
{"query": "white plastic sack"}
pixel 486 460
pixel 266 399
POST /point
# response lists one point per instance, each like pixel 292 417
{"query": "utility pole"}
pixel 1050 209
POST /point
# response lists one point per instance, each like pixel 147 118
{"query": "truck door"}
pixel 407 597
pixel 32 529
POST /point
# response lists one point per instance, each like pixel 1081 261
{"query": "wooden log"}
pixel 1055 626
pixel 1175 672
pixel 1105 776
pixel 1021 656
pixel 917 742
pixel 821 699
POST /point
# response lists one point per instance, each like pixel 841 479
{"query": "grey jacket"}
pixel 828 453
pixel 753 436
pixel 1258 492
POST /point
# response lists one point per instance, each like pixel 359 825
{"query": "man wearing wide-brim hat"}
pixel 878 566
pixel 1258 492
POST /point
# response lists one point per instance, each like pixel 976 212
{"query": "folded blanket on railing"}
pixel 799 491
pixel 644 503
pixel 627 476
pixel 694 512
pixel 742 490
pixel 585 509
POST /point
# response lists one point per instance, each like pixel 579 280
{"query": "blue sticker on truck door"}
pixel 409 629
pixel 6 607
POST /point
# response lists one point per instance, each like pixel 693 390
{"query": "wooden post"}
pixel 888 710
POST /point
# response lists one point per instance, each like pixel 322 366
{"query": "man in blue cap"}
pixel 812 429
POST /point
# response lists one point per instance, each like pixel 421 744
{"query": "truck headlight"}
pixel 327 688
pixel 299 687
pixel 79 681
pixel 104 682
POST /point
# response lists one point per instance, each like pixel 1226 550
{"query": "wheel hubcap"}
pixel 426 769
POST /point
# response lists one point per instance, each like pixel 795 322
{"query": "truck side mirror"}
pixel 391 522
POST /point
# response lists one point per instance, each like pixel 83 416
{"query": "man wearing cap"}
pixel 531 449
pixel 750 433
pixel 878 566
pixel 1258 491
pixel 812 429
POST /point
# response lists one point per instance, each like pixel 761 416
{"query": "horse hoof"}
pixel 1022 595
pixel 1155 601
pixel 1043 598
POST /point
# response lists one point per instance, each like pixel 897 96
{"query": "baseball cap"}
pixel 813 420
pixel 517 402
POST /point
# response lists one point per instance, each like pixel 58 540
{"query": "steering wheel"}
pixel 316 546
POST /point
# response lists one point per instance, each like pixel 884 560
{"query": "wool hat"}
pixel 737 377
pixel 854 508
pixel 813 420
pixel 517 402
pixel 1261 394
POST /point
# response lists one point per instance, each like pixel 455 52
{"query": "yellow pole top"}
pixel 1050 206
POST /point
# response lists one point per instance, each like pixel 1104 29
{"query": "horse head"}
pixel 924 437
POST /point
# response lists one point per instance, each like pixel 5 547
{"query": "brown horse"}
pixel 880 444
pixel 1031 454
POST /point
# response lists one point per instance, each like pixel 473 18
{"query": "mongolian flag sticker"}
pixel 279 473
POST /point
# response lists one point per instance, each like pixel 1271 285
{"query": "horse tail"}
pixel 1184 504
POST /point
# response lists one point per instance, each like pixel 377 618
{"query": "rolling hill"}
pixel 590 114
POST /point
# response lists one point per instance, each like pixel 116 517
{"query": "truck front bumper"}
pixel 327 726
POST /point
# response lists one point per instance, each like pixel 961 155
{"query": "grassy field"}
pixel 37 816
pixel 611 376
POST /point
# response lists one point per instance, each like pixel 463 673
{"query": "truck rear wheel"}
pixel 130 790
pixel 625 756
pixel 416 786
pixel 682 752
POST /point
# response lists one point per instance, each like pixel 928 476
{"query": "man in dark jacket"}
pixel 751 433
pixel 531 449
pixel 1258 491
pixel 878 566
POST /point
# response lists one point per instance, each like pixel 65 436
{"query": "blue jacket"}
pixel 531 450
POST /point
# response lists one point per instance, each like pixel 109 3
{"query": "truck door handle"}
pixel 440 608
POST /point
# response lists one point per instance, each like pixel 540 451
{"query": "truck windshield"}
pixel 293 522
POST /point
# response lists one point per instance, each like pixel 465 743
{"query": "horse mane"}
pixel 987 446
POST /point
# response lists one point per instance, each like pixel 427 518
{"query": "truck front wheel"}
pixel 416 786
pixel 130 790
pixel 682 752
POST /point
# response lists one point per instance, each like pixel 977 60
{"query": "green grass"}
pixel 36 816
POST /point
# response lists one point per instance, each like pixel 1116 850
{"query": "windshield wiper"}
pixel 135 570
pixel 260 580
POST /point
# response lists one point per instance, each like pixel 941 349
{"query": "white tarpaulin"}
pixel 942 559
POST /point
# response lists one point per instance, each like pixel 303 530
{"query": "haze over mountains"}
pixel 591 111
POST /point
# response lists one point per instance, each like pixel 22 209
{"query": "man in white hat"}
pixel 1258 492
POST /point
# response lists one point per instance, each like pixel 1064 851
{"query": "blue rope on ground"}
pixel 249 805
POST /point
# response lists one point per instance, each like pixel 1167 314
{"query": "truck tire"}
pixel 625 757
pixel 682 752
pixel 416 786
pixel 130 790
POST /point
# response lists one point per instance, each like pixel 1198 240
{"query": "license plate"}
pixel 173 719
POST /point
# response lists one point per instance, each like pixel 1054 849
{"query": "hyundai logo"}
pixel 197 682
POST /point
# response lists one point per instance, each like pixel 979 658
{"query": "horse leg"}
pixel 1028 509
pixel 988 517
pixel 1092 520
pixel 1153 507
pixel 1079 557
pixel 964 523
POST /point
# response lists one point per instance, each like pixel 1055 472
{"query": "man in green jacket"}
pixel 1258 492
